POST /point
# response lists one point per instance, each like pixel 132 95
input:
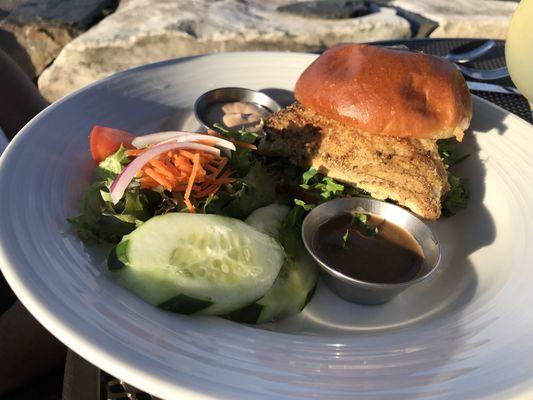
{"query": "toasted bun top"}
pixel 387 92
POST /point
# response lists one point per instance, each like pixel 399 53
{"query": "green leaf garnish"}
pixel 308 175
pixel 303 204
pixel 242 135
pixel 359 218
pixel 345 238
pixel 256 189
pixel 360 221
pixel 296 215
pixel 328 187
pixel 457 198
pixel 102 221
pixel 109 168
pixel 242 158
pixel 448 152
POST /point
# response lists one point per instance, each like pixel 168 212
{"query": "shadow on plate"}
pixel 428 325
pixel 447 293
pixel 485 125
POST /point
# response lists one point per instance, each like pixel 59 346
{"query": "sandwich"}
pixel 370 117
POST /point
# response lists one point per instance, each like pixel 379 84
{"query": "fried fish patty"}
pixel 407 171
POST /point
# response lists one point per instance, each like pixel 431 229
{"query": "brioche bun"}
pixel 387 92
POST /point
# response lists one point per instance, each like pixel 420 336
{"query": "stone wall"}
pixel 143 31
pixel 71 43
pixel 463 18
pixel 33 32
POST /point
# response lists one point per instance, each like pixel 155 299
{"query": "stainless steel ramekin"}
pixel 358 291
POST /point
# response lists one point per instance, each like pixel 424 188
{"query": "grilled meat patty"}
pixel 407 171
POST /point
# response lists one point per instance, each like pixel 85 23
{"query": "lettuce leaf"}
pixel 457 198
pixel 256 189
pixel 327 187
pixel 448 152
pixel 100 220
pixel 242 158
pixel 113 165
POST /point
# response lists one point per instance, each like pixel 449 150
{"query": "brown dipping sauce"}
pixel 392 256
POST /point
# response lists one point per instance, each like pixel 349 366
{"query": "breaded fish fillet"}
pixel 407 171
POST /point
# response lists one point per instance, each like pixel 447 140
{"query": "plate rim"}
pixel 74 337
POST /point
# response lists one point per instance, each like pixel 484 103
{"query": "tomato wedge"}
pixel 105 141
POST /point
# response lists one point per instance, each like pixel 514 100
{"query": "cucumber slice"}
pixel 297 279
pixel 268 219
pixel 197 264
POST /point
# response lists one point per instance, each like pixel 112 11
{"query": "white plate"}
pixel 466 334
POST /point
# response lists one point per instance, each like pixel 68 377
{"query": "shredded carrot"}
pixel 196 165
pixel 189 205
pixel 218 169
pixel 182 163
pixel 206 157
pixel 227 173
pixel 225 177
pixel 194 173
pixel 245 145
pixel 161 168
pixel 224 180
pixel 168 163
pixel 201 171
pixel 183 187
pixel 210 168
pixel 208 185
pixel 133 152
pixel 211 189
pixel 156 176
pixel 187 154
pixel 148 183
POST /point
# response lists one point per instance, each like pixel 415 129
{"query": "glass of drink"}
pixel 519 49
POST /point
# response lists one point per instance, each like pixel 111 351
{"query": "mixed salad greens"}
pixel 203 224
pixel 457 198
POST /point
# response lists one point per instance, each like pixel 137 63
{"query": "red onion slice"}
pixel 165 137
pixel 153 138
pixel 121 182
pixel 193 137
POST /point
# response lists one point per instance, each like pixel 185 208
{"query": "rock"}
pixel 421 26
pixel 78 14
pixel 6 6
pixel 143 31
pixel 33 48
pixel 329 9
pixel 464 18
pixel 36 30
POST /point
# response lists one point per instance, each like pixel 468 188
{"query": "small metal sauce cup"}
pixel 228 95
pixel 355 290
